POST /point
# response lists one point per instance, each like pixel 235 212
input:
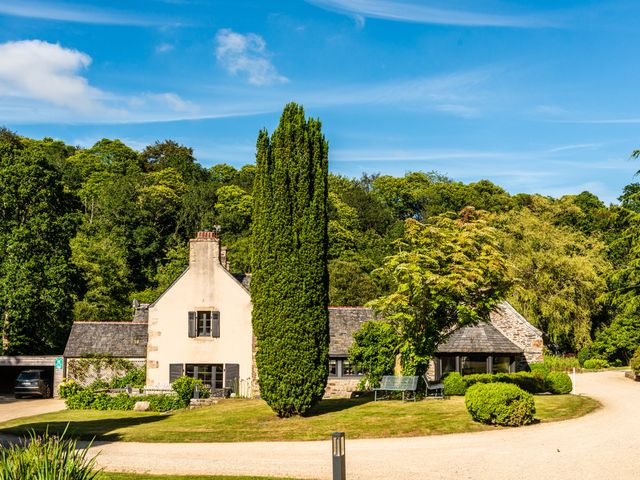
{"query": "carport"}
pixel 10 368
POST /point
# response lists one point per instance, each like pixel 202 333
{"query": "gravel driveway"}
pixel 11 407
pixel 601 445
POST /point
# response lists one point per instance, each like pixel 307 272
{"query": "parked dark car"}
pixel 32 382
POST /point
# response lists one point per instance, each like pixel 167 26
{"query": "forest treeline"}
pixel 84 231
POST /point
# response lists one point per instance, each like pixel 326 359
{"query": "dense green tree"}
pixel 374 349
pixel 449 272
pixel 169 154
pixel 558 275
pixel 102 261
pixel 350 284
pixel 630 197
pixel 619 340
pixel 37 280
pixel 289 286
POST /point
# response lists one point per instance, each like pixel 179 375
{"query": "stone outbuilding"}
pixel 109 340
pixel 507 343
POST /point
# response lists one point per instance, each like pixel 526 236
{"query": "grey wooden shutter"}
pixel 231 376
pixel 215 324
pixel 192 324
pixel 175 371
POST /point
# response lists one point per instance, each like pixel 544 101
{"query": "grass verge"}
pixel 236 420
pixel 139 476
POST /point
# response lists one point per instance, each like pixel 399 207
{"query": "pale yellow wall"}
pixel 206 285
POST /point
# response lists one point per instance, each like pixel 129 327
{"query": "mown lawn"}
pixel 236 420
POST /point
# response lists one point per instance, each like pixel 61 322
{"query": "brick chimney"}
pixel 204 248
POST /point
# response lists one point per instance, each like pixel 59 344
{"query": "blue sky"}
pixel 537 96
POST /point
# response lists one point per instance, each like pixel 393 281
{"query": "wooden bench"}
pixel 392 383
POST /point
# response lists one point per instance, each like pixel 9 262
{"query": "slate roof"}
pixel 343 323
pixel 482 338
pixel 119 339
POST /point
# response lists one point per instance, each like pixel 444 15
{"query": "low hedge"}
pixel 558 383
pixel 91 400
pixel 595 364
pixel 500 404
pixel 456 384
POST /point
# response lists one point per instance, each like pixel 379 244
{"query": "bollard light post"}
pixel 338 456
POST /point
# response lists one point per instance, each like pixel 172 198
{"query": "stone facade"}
pixel 517 329
pixel 341 387
pixel 343 323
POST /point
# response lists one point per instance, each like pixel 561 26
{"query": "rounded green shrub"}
pixel 478 378
pixel 184 387
pixel 500 404
pixel 69 388
pixel 584 354
pixel 595 363
pixel 454 384
pixel 540 369
pixel 635 362
pixel 558 383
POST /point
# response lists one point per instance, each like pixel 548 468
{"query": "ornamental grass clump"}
pixel 500 404
pixel 47 458
pixel 558 383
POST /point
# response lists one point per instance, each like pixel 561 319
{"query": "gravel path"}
pixel 11 407
pixel 602 445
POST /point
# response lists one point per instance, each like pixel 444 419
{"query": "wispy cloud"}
pixel 73 13
pixel 603 121
pixel 459 94
pixel 44 82
pixel 412 12
pixel 576 146
pixel 165 48
pixel 246 55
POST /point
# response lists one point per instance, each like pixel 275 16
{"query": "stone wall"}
pixel 341 387
pixel 517 329
pixel 87 370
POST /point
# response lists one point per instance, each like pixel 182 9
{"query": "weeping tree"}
pixel 289 285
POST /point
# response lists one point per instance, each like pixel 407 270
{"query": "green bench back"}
pixel 404 383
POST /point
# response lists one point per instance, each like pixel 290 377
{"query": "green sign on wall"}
pixel 59 363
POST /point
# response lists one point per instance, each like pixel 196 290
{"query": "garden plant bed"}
pixel 252 420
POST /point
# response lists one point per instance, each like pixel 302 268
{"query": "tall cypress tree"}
pixel 289 285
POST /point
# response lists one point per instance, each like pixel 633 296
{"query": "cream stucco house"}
pixel 201 325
